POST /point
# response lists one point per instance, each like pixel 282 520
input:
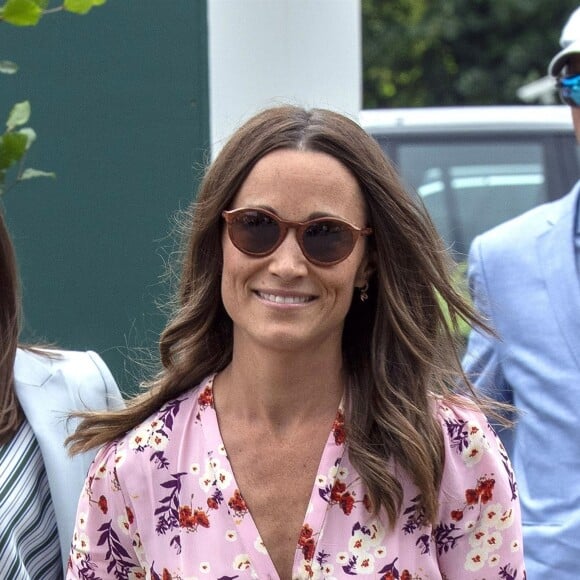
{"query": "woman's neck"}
pixel 280 388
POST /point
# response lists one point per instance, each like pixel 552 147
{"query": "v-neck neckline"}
pixel 312 529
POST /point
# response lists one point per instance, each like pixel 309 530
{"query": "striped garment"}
pixel 29 547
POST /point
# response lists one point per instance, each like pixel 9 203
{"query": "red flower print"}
pixel 102 503
pixel 406 575
pixel 130 516
pixel 212 504
pixel 457 515
pixel 346 503
pixel 485 489
pixel 338 429
pixel 471 496
pixel 308 549
pixel 206 398
pixel 237 504
pixel 306 542
pixel 200 518
pixel 185 516
pixel 367 503
pixel 305 534
pixel 192 520
pixel 337 490
pixel 166 575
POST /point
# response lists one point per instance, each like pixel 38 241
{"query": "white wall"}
pixel 268 52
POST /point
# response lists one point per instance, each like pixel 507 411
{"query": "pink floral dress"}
pixel 162 503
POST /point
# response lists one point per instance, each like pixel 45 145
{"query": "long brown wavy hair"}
pixel 398 350
pixel 11 414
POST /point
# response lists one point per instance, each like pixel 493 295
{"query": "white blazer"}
pixel 48 389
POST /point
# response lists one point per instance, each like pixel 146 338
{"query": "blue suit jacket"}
pixel 49 388
pixel 523 277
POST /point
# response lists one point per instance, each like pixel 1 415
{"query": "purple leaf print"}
pixel 169 412
pixel 508 572
pixel 169 508
pixel 391 569
pixel 457 434
pixel 322 557
pixel 159 459
pixel 116 553
pixel 424 544
pixel 416 516
pixel 87 569
pixel 444 538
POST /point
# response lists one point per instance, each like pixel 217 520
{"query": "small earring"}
pixel 364 292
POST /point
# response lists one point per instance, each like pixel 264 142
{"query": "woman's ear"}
pixel 365 270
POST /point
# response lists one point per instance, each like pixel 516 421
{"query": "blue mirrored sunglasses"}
pixel 569 90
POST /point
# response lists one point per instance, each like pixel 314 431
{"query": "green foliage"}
pixel 14 144
pixel 29 12
pixel 452 52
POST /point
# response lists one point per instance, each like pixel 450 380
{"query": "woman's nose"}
pixel 287 260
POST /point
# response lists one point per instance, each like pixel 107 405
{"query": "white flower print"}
pixel 377 533
pixel 359 543
pixel 491 515
pixel 123 523
pixel 506 519
pixel 493 560
pixel 477 538
pixel 494 541
pixel 242 562
pixel 475 560
pixel 259 545
pixel 120 457
pixel 82 521
pixel 81 543
pixel 204 567
pixel 223 478
pixel 231 535
pixel 321 481
pixel 158 441
pixel 365 564
pixel 139 439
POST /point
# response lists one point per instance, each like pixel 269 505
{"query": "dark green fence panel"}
pixel 120 105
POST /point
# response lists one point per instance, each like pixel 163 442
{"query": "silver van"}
pixel 475 167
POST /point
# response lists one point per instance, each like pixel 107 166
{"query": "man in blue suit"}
pixel 525 278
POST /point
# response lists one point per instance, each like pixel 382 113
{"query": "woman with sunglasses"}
pixel 304 424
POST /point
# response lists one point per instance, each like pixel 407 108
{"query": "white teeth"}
pixel 284 299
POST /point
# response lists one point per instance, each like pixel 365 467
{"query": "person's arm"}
pixel 105 540
pixel 113 397
pixel 479 532
pixel 482 360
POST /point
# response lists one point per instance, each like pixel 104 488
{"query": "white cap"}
pixel 570 43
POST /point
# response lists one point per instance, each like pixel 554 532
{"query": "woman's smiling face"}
pixel 283 301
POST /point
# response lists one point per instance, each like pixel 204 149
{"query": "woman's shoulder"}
pixel 167 418
pixel 153 437
pixel 471 444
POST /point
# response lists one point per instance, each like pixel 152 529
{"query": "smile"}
pixel 277 299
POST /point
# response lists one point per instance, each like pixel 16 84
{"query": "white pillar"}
pixel 268 52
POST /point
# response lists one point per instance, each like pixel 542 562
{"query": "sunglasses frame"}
pixel 569 84
pixel 300 227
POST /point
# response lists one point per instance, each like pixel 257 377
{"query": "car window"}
pixel 470 187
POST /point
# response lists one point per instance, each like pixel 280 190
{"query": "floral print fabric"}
pixel 162 503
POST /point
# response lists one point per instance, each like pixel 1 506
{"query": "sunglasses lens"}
pixel 328 241
pixel 254 232
pixel 569 88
